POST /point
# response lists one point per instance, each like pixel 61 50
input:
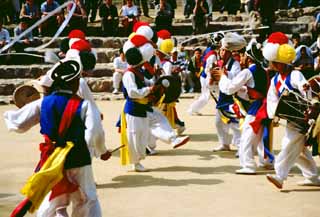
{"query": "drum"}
pixel 172 90
pixel 300 112
pixel 25 94
pixel 314 83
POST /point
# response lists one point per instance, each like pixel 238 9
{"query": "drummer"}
pixel 293 149
pixel 139 117
pixel 254 77
pixel 164 51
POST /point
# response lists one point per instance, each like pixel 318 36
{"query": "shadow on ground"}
pixel 132 181
pixel 301 190
pixel 198 170
pixel 204 137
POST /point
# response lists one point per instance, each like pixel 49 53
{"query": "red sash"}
pixel 64 186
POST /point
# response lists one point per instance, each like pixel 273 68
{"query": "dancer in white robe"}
pixel 293 149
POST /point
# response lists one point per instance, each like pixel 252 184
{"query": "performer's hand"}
pixel 276 121
pixel 306 87
pixel 216 73
pixel 105 156
pixel 156 88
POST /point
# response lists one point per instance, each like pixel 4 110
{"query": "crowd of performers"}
pixel 247 93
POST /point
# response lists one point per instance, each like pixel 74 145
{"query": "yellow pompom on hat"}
pixel 131 35
pixel 278 49
pixel 286 54
pixel 166 46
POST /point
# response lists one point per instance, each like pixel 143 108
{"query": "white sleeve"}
pixel 167 68
pixel 231 86
pixel 298 81
pixel 24 118
pixel 116 63
pixel 129 83
pixel 84 91
pixel 94 133
pixel 235 69
pixel 135 11
pixel 210 61
pixel 124 11
pixel 272 100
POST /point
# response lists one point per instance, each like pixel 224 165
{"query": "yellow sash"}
pixel 41 183
pixel 168 111
pixel 124 152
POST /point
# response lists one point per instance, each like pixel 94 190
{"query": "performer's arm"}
pixel 167 68
pixel 299 82
pixel 211 62
pixel 231 86
pixel 24 118
pixel 131 86
pixel 272 100
pixel 94 133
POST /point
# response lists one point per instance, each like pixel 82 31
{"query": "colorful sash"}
pixel 49 172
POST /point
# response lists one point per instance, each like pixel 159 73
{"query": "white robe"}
pixel 293 148
pixel 23 119
pixel 137 127
pixel 204 98
pixel 249 140
pixel 28 116
pixel 222 128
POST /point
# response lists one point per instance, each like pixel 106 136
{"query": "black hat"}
pixel 134 56
pixel 88 60
pixel 66 70
pixel 216 37
pixel 254 52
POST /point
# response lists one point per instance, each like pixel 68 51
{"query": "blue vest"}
pixel 207 50
pixel 225 100
pixel 260 85
pixel 52 109
pixel 287 83
pixel 134 108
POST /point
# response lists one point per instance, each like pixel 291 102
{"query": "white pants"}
pixel 116 79
pixel 160 128
pixel 204 98
pixel 138 136
pixel 223 131
pixel 249 142
pixel 84 201
pixel 293 151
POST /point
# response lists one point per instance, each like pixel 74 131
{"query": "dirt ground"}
pixel 188 182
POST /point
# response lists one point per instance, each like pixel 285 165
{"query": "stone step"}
pixel 101 84
pixel 105 55
pixel 35 71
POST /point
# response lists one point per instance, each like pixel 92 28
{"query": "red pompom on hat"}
pixel 278 38
pixel 76 33
pixel 139 24
pixel 278 49
pixel 139 40
pixel 164 34
pixel 81 45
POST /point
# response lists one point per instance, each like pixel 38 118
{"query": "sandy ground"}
pixel 189 182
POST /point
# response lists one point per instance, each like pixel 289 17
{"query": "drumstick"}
pixel 116 149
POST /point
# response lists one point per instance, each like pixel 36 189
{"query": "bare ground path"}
pixel 188 182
